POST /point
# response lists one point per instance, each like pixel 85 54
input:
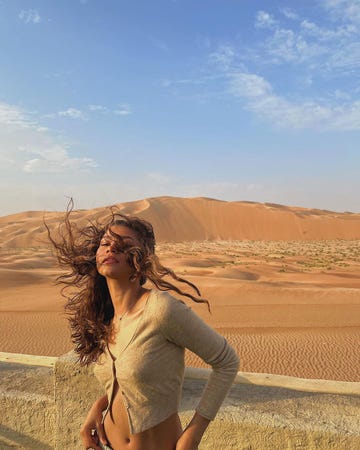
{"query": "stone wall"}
pixel 43 408
pixel 27 409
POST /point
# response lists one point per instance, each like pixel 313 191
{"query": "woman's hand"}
pixel 191 436
pixel 186 442
pixel 92 430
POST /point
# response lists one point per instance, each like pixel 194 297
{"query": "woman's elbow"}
pixel 235 364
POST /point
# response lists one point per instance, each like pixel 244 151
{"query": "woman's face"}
pixel 111 261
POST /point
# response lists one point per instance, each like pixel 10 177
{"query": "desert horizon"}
pixel 283 282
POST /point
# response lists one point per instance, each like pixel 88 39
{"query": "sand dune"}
pixel 289 303
pixel 197 219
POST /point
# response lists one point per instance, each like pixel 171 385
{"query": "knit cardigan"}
pixel 150 368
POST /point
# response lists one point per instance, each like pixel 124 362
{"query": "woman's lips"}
pixel 110 260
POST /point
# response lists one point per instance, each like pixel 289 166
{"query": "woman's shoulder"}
pixel 163 303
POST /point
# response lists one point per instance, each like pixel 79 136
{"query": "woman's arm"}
pixel 92 422
pixel 185 328
pixel 193 433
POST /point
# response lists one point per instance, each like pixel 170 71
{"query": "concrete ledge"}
pixel 283 381
pixel 27 419
pixel 75 391
pixel 44 405
pixel 27 406
pixel 263 418
pixel 253 416
pixel 31 360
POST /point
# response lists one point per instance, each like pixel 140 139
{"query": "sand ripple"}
pixel 325 353
pixel 34 333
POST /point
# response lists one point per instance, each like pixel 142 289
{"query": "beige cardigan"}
pixel 150 368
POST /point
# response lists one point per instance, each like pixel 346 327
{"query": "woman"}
pixel 136 337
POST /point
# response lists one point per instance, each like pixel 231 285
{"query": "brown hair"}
pixel 89 306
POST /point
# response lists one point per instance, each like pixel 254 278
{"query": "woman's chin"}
pixel 113 272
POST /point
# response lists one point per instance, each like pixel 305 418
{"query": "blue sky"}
pixel 110 101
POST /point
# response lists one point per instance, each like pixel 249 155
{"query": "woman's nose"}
pixel 114 247
pixel 111 247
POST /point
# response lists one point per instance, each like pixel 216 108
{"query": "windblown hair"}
pixel 89 307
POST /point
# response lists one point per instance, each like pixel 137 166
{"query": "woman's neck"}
pixel 124 296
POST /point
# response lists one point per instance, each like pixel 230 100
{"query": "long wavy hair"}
pixel 88 303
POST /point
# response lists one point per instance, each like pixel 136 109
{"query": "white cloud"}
pixel 124 110
pixel 30 16
pixel 249 85
pixel 14 116
pixel 319 95
pixel 290 13
pixel 307 42
pixel 77 114
pixel 27 146
pixel 98 108
pixel 223 56
pixel 287 46
pixel 325 34
pixel 55 159
pixel 260 98
pixel 73 113
pixel 343 9
pixel 265 20
pixel 345 59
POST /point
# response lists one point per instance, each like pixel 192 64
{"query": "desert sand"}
pixel 283 282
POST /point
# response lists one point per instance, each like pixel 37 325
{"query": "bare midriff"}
pixel 163 436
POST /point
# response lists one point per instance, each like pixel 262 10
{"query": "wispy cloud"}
pixel 55 159
pixel 285 45
pixel 345 60
pixel 343 9
pixel 79 114
pixel 60 74
pixel 289 13
pixel 98 108
pixel 224 56
pixel 306 42
pixel 260 98
pixel 265 20
pixel 14 116
pixel 325 34
pixel 123 110
pixel 42 152
pixel 73 113
pixel 30 16
pixel 322 56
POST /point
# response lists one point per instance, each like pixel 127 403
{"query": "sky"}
pixel 108 101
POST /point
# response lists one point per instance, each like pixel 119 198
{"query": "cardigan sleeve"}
pixel 183 327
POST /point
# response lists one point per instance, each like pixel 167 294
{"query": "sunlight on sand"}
pixel 283 281
pixel 288 308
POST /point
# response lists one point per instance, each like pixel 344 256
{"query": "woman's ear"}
pixel 133 276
